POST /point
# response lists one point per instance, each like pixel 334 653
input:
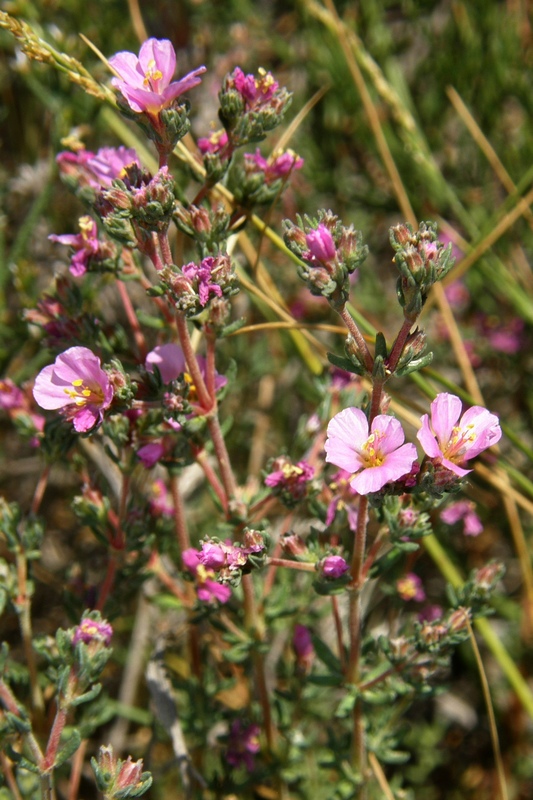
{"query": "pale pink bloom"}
pixel 170 361
pixel 465 511
pixel 76 384
pixel 410 588
pixel 85 243
pixel 146 81
pixel 451 439
pixel 378 455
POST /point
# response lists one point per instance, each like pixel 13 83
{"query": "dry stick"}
pixel 380 776
pixel 137 20
pixel 490 710
pixel 76 771
pixel 7 771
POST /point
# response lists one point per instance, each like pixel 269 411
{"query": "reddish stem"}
pixel 138 334
pixel 304 566
pixel 192 364
pixel 212 478
pixel 180 522
pixel 399 344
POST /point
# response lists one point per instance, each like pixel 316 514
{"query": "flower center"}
pixel 152 75
pixel 459 442
pixel 370 452
pixel 86 227
pixel 81 394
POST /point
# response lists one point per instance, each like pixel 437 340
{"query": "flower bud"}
pixel 333 567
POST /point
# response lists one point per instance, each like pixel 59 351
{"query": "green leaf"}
pixel 69 747
pixel 326 655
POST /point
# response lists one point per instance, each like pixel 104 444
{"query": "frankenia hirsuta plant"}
pixel 77 385
pixel 375 456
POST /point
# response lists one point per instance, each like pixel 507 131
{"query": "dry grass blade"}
pixel 380 776
pixel 484 145
pixel 490 710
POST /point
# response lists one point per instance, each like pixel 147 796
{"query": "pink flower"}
pixel 146 81
pixel 451 439
pixel 243 744
pixel 304 650
pixel 463 510
pixel 410 588
pixel 289 481
pixel 85 244
pixel 321 246
pixel 278 166
pixel 256 92
pixel 378 456
pixel 110 163
pixel 77 385
pixel 214 143
pixel 344 499
pixel 202 276
pixel 208 590
pixel 170 361
pixel 93 630
pixel 160 498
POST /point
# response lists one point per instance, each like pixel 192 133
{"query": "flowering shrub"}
pixel 291 624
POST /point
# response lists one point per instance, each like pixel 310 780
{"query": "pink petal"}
pixel 169 359
pixel 347 432
pixel 86 418
pixel 391 428
pixel 445 412
pixel 127 66
pixel 163 54
pixel 48 395
pixel 427 439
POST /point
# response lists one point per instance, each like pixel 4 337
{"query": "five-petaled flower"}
pixel 76 384
pixel 374 457
pixel 146 81
pixel 450 439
